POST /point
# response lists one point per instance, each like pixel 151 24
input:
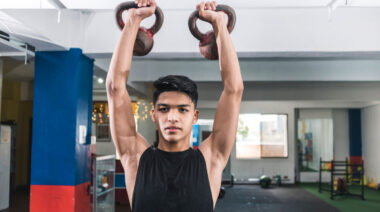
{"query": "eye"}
pixel 183 110
pixel 163 109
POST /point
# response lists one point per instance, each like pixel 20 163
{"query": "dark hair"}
pixel 176 83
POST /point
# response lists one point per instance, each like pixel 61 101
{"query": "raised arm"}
pixel 123 130
pixel 224 130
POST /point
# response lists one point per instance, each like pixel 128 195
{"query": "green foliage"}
pixel 242 129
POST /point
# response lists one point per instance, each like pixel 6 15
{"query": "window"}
pixel 262 135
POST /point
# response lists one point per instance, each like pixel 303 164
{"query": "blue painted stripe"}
pixel 119 180
pixel 62 102
pixel 355 132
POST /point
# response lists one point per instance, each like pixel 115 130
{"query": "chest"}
pixel 172 174
pixel 172 182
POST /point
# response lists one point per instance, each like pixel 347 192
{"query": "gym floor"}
pixel 244 198
pixel 251 198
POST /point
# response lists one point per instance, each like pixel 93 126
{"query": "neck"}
pixel 174 146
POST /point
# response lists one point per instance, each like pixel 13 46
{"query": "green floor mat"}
pixel 348 203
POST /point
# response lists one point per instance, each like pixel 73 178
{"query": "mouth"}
pixel 172 129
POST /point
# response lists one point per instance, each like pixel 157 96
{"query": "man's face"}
pixel 174 115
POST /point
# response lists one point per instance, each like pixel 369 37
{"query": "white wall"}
pixel 341 134
pixel 257 29
pixel 296 69
pixel 315 114
pixel 371 142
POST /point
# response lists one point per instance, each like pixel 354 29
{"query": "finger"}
pixel 144 3
pixel 153 4
pixel 208 6
pixel 201 7
pixel 214 4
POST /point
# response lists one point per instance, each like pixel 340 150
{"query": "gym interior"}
pixel 307 139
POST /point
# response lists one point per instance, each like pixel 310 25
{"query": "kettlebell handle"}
pixel 130 4
pixel 221 7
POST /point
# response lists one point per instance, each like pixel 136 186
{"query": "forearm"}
pixel 122 57
pixel 228 60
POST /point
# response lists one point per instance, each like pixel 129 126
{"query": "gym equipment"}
pixel 340 186
pixel 278 180
pixel 207 42
pixel 265 181
pixel 144 39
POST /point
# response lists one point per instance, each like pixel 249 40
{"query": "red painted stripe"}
pixel 82 197
pixel 59 198
pixel 121 196
pixel 119 167
pixel 356 159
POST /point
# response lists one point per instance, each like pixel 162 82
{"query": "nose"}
pixel 173 116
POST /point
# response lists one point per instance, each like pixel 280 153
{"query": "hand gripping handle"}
pixel 195 15
pixel 130 4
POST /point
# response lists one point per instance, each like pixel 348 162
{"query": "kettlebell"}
pixel 207 42
pixel 144 39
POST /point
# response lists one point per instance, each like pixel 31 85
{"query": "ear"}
pixel 196 116
pixel 152 115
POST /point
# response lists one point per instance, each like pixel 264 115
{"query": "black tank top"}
pixel 172 182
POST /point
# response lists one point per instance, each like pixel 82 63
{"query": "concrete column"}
pixel 61 159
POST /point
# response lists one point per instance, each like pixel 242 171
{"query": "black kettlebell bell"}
pixel 207 42
pixel 144 39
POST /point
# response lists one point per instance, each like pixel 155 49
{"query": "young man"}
pixel 173 177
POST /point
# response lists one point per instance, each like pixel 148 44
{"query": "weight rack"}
pixel 337 170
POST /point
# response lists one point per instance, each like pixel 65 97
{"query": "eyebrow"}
pixel 166 105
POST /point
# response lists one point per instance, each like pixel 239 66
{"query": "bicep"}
pixel 122 124
pixel 225 124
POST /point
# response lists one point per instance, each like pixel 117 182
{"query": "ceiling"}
pixel 19 59
pixel 171 4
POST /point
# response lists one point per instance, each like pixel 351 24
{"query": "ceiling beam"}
pixel 57 4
